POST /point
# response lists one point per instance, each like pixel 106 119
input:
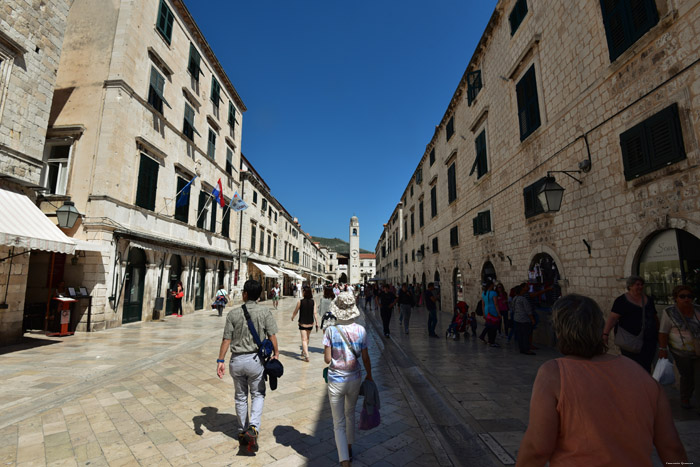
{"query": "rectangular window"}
pixel 435 245
pixel 432 157
pixel 451 183
pixel 188 124
pixel 252 237
pixel 473 85
pixel 421 218
pixel 274 249
pixel 165 22
pixel 182 212
pixel 147 183
pixel 454 236
pixel 212 220
pixel 231 115
pixel 269 245
pixel 480 162
pixel 411 191
pixel 450 128
pixel 255 197
pixel 264 206
pixel 528 106
pixel 262 241
pixel 652 144
pixel 202 209
pixel 405 229
pixel 193 65
pixel 626 21
pixel 413 230
pixel 211 144
pixel 517 15
pixel 532 203
pixel 229 160
pixel 155 90
pixel 56 170
pixel 215 92
pixel 225 223
pixel 419 175
pixel 482 223
pixel 413 255
pixel 433 201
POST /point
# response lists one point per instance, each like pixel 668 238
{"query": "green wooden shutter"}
pixel 451 183
pixel 473 85
pixel 201 218
pixel 194 64
pixel 212 222
pixel 165 21
pixel 517 15
pixel 182 212
pixel 231 115
pixel 528 105
pixel 147 183
pixel 225 223
pixel 211 146
pixel 634 152
pixel 480 161
pixel 665 138
pixel 215 91
pixel 475 225
pixel 433 201
pixel 450 128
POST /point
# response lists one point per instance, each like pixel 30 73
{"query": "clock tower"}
pixel 354 259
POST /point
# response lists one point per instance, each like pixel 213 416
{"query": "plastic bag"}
pixel 663 373
pixel 367 422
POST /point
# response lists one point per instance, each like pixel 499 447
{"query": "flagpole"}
pixel 204 209
pixel 176 194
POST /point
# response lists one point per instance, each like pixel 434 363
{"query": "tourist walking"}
pixel 177 295
pixel 502 305
pixel 635 313
pixel 491 315
pixel 593 408
pixel 430 300
pixel 306 307
pixel 405 305
pixel 221 300
pixel 524 319
pixel 680 332
pixel 343 345
pixel 386 301
pixel 369 295
pixel 324 308
pixel 246 365
pixel 276 295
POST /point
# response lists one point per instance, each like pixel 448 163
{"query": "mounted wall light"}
pixel 551 193
pixel 67 215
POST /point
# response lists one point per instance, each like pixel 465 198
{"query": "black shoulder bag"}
pixel 265 348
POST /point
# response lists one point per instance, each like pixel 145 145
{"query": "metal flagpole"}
pixel 169 200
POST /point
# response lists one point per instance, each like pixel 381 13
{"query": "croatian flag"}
pixel 218 194
pixel 237 204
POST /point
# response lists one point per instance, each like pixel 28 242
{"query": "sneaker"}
pixel 250 437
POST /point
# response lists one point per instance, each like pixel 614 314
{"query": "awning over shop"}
pixel 23 225
pixel 291 274
pixel 266 270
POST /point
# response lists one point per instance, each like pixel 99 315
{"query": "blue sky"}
pixel 342 97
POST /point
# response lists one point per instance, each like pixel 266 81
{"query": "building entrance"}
pixel 175 273
pixel 133 294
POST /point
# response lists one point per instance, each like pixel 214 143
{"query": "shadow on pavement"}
pixel 214 421
pixel 27 344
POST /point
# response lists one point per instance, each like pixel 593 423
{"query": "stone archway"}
pixel 488 271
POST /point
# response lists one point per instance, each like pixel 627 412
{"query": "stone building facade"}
pixel 144 123
pixel 31 39
pixel 610 97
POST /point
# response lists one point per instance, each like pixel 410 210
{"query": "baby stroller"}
pixel 459 322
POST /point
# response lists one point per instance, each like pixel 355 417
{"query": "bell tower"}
pixel 354 259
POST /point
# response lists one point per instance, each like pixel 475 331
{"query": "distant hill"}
pixel 341 246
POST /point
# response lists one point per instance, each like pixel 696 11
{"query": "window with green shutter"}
pixel 450 128
pixel 225 222
pixel 413 230
pixel 147 183
pixel 155 90
pixel 252 237
pixel 473 85
pixel 188 123
pixel 164 25
pixel 517 15
pixel 435 245
pixel 531 201
pixel 419 175
pixel 231 115
pixel 212 219
pixel 480 161
pixel 528 106
pixel 652 144
pixel 432 157
pixel 194 63
pixel 454 236
pixel 482 223
pixel 229 160
pixel 211 145
pixel 626 21
pixel 451 183
pixel 262 241
pixel 182 212
pixel 421 219
pixel 202 209
pixel 433 201
pixel 215 92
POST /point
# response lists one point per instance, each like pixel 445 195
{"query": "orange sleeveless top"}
pixel 606 413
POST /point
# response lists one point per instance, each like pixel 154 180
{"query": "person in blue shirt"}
pixel 491 313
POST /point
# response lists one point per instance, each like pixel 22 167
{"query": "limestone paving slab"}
pixel 147 394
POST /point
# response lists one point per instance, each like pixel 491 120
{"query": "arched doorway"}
pixel 457 286
pixel 133 291
pixel 173 279
pixel 343 278
pixel 199 292
pixel 423 282
pixel 670 258
pixel 488 272
pixel 543 273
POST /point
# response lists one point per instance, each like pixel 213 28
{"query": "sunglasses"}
pixel 683 296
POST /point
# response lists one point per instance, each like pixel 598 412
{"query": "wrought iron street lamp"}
pixel 67 215
pixel 551 193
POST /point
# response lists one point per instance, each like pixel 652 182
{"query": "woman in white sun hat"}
pixel 343 344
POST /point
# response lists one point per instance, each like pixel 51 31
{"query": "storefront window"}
pixel 543 274
pixel 670 258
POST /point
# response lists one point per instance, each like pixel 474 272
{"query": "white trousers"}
pixel 343 398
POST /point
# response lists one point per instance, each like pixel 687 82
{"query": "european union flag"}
pixel 184 194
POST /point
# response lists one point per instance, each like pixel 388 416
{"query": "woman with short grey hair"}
pixel 593 408
pixel 635 313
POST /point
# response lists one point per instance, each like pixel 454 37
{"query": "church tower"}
pixel 354 260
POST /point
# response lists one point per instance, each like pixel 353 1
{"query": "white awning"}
pixel 23 225
pixel 289 273
pixel 266 270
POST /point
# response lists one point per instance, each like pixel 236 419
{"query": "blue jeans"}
pixel 432 321
pixel 405 314
pixel 247 373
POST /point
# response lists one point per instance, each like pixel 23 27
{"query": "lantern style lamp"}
pixel 67 215
pixel 550 195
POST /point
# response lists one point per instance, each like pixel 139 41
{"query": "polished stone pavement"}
pixel 147 394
